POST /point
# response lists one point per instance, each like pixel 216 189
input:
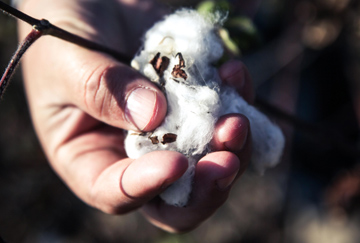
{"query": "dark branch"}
pixel 9 71
pixel 48 29
pixel 67 36
pixel 17 14
pixel 44 27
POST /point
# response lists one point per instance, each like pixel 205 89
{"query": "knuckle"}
pixel 96 93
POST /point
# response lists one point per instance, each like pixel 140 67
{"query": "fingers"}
pixel 152 173
pixel 216 172
pixel 100 174
pixel 232 133
pixel 214 176
pixel 68 75
pixel 121 97
pixel 118 95
pixel 235 74
pixel 100 86
pixel 126 185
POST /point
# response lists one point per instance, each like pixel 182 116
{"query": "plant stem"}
pixel 44 27
pixel 17 14
pixel 9 71
pixel 67 36
pixel 48 29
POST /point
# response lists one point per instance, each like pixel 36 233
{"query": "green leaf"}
pixel 229 44
pixel 206 7
pixel 242 23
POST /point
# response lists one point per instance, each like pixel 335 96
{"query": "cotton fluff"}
pixel 178 54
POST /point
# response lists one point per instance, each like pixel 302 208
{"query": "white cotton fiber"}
pixel 177 55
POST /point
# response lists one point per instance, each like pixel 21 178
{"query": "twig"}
pixel 44 27
pixel 67 36
pixel 29 40
pixel 17 14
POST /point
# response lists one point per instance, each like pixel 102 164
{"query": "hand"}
pixel 81 101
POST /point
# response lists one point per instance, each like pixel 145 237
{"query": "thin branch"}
pixel 49 29
pixel 67 36
pixel 17 14
pixel 44 27
pixel 9 71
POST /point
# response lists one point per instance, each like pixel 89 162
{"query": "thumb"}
pixel 118 95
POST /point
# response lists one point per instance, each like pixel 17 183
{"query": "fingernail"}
pixel 223 184
pixel 140 107
pixel 238 142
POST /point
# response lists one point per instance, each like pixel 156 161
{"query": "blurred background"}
pixel 304 56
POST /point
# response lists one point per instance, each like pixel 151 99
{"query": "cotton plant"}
pixel 178 54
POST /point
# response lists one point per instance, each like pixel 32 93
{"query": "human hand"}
pixel 81 100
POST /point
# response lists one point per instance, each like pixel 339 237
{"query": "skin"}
pixel 77 100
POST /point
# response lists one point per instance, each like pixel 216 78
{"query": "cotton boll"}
pixel 177 55
pixel 192 113
pixel 178 193
pixel 268 140
pixel 184 26
pixel 150 73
